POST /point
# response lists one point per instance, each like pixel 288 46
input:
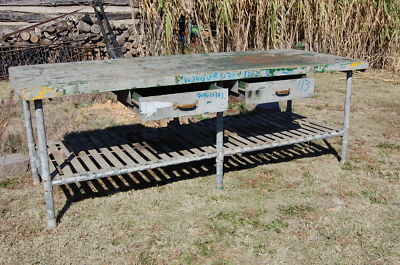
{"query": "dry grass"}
pixel 309 210
pixel 367 30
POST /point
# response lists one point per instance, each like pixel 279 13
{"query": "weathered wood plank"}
pixel 117 150
pixel 61 2
pixel 248 127
pixel 91 148
pixel 74 160
pixel 131 151
pixel 266 130
pixel 57 80
pixel 162 143
pixel 300 128
pixel 104 150
pixel 181 146
pixel 60 158
pixel 32 17
pixel 189 139
pixel 235 135
pixel 83 156
pixel 284 127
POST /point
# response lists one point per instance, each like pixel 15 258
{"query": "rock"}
pixel 337 205
pixel 15 164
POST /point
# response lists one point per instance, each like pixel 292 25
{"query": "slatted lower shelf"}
pixel 101 154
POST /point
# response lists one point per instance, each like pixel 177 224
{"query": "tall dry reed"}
pixel 364 29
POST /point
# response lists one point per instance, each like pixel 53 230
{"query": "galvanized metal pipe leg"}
pixel 346 122
pixel 44 159
pixel 220 150
pixel 289 106
pixel 31 142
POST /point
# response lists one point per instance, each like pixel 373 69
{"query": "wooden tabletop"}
pixel 62 79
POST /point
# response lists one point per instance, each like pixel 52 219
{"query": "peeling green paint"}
pixel 178 79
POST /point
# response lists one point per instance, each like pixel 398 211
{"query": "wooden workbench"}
pixel 172 86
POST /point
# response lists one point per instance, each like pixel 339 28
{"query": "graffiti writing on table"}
pixel 210 95
pixel 304 85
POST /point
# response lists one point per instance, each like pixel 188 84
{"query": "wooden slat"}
pixel 53 171
pixel 300 128
pixel 83 156
pixel 74 160
pixel 116 149
pixel 144 147
pixel 130 150
pixel 299 118
pixel 59 157
pixel 185 147
pixel 195 136
pixel 188 137
pixel 266 132
pixel 237 137
pixel 281 133
pixel 162 144
pixel 251 135
pixel 285 127
pixel 89 146
pixel 205 131
pixel 104 150
pixel 169 140
pixel 248 128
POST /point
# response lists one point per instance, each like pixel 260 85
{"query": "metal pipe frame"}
pixel 44 159
pixel 109 173
pixel 40 160
pixel 346 120
pixel 220 150
pixel 289 106
pixel 31 142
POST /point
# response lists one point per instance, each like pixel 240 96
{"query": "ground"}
pixel 303 208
